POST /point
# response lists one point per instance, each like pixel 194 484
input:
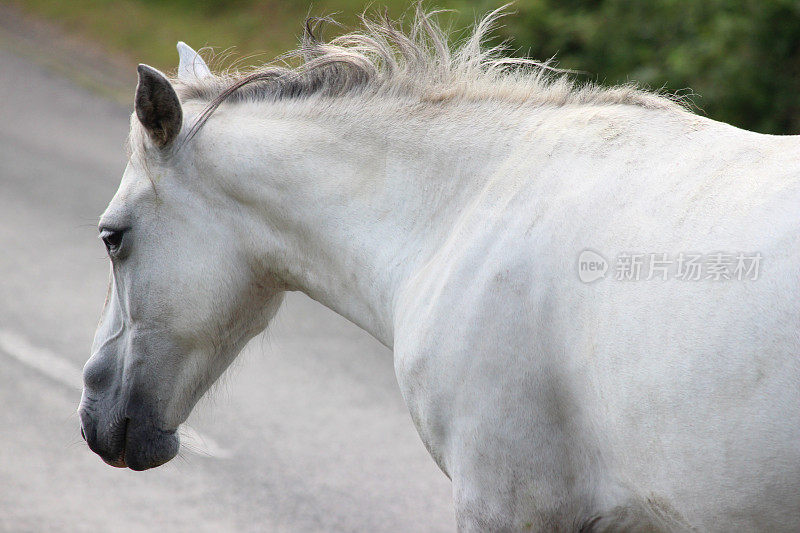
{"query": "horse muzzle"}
pixel 124 441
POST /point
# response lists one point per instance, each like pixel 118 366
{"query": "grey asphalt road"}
pixel 313 431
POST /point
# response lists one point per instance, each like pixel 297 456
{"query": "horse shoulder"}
pixel 491 404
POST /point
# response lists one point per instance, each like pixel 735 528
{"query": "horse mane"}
pixel 382 61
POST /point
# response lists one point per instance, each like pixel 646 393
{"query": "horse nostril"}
pixel 83 434
pixel 98 370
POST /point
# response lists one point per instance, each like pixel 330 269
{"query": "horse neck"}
pixel 355 201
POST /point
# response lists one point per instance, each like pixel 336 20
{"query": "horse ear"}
pixel 157 106
pixel 191 65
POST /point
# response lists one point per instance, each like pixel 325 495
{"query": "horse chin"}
pixel 149 447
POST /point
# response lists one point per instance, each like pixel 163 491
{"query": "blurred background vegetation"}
pixel 740 57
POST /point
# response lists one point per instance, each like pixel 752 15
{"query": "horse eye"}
pixel 112 239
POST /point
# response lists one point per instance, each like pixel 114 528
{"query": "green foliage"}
pixel 741 57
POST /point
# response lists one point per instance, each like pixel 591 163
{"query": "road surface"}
pixel 307 432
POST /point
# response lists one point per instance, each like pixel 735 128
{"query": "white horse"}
pixel 440 199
